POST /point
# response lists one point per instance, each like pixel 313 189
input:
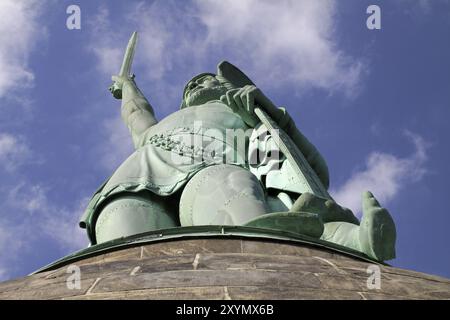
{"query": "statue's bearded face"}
pixel 203 89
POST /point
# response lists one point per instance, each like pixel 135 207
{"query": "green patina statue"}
pixel 229 156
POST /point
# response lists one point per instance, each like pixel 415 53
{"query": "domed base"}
pixel 235 267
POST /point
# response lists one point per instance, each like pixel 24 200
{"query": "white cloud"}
pixel 384 175
pixel 291 41
pixel 14 151
pixel 19 32
pixel 281 42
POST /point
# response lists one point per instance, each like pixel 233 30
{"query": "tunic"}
pixel 170 152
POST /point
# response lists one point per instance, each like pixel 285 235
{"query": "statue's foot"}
pixel 377 232
pixel 375 236
pixel 303 223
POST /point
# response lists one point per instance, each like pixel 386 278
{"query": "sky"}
pixel 376 103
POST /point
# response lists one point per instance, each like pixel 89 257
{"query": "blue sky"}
pixel 374 102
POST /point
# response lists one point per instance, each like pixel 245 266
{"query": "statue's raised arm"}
pixel 137 113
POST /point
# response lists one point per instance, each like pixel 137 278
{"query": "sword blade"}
pixel 125 69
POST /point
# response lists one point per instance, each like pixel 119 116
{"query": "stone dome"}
pixel 222 265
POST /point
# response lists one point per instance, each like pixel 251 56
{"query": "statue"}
pixel 188 169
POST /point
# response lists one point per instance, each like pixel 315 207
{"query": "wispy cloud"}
pixel 116 145
pixel 10 245
pixel 426 6
pixel 421 9
pixel 28 198
pixel 60 223
pixel 62 226
pixel 14 151
pixel 384 174
pixel 36 218
pixel 104 42
pixel 19 33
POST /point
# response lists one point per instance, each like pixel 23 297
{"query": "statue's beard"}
pixel 204 95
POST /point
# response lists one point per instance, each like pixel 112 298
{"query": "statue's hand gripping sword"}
pixel 125 69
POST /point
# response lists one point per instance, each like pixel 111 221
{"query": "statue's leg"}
pixel 222 195
pixel 133 213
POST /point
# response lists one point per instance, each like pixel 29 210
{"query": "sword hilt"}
pixel 125 69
